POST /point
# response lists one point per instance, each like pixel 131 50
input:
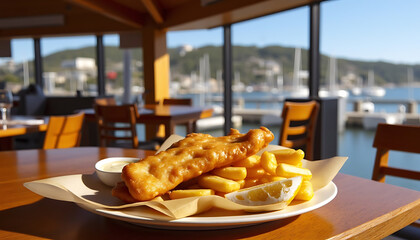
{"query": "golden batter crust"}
pixel 196 154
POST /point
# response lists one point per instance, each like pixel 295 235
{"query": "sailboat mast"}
pixel 410 79
pixel 371 78
pixel 333 74
pixel 280 78
pixel 296 69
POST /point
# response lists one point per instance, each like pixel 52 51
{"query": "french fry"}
pixel 289 156
pixel 269 162
pixel 255 172
pixel 306 191
pixel 176 194
pixel 250 182
pixel 232 173
pixel 218 183
pixel 241 183
pixel 269 178
pixel 288 171
pixel 249 162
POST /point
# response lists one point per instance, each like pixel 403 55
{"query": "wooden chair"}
pixel 298 127
pixel 117 125
pixel 402 138
pixel 64 131
pixel 105 101
pixel 388 137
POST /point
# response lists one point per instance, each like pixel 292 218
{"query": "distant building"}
pixel 79 64
pixel 184 49
pixel 78 71
pixel 273 66
pixel 9 65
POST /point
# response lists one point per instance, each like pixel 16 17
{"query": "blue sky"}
pixel 370 30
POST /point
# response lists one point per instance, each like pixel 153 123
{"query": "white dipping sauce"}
pixel 116 166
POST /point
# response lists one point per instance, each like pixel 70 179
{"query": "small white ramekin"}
pixel 111 178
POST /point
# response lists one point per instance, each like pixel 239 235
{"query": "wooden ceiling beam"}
pixel 113 11
pixel 80 24
pixel 153 10
pixel 193 15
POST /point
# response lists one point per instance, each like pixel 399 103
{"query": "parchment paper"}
pixel 88 190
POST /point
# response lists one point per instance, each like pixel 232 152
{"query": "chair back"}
pixel 388 137
pixel 177 101
pixel 105 101
pixel 64 131
pixel 113 118
pixel 298 127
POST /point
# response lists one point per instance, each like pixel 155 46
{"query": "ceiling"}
pixel 41 18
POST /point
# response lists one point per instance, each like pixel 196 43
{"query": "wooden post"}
pixel 358 106
pixel 412 107
pixel 155 70
pixel 155 64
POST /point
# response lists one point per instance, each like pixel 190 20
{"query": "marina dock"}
pixel 356 119
pixel 359 117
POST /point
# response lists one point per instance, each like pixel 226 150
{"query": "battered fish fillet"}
pixel 196 154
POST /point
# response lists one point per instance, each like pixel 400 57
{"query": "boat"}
pixel 367 107
pixel 371 90
pixel 337 93
pixel 332 90
pixel 356 91
pixel 374 91
pixel 298 90
pixel 217 122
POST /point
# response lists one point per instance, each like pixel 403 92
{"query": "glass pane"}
pixel 69 65
pixel 374 46
pixel 114 70
pixel 196 64
pixel 270 59
pixel 17 71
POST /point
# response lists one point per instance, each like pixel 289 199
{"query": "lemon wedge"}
pixel 282 191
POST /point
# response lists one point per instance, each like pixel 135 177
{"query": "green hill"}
pixel 245 62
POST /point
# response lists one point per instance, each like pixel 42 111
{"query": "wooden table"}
pixel 7 132
pixel 169 115
pixel 172 115
pixel 362 208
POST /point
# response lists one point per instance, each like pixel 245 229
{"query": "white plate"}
pixel 220 219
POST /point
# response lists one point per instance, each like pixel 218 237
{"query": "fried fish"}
pixel 196 154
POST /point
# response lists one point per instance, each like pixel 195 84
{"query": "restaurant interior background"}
pixel 364 43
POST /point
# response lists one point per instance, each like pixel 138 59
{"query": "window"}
pixel 69 65
pixel 17 71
